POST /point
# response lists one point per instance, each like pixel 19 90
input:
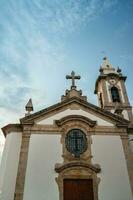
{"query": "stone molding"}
pixel 77 118
pixel 61 167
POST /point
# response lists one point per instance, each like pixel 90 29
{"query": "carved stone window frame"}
pixel 67 156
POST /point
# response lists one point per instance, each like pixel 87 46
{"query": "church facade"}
pixel 73 150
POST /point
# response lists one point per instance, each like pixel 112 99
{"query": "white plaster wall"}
pixel 108 152
pixel 68 112
pixel 9 165
pixel 44 152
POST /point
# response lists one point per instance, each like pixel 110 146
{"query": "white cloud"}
pixel 32 52
pixel 57 15
pixel 31 49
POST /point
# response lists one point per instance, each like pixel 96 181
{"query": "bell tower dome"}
pixel 111 91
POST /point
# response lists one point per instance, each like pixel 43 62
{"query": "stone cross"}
pixel 73 77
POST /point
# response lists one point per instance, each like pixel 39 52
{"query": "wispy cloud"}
pixel 54 15
pixel 32 52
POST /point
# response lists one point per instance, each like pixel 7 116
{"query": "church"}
pixel 73 150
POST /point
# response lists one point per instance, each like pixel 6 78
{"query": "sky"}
pixel 43 40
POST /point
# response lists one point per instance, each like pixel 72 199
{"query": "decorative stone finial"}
pixel 73 77
pixel 29 107
pixel 118 70
pixel 106 63
pixel 101 70
pixel 105 58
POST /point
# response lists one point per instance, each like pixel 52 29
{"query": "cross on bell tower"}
pixel 73 77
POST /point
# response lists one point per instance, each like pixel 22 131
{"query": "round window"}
pixel 76 142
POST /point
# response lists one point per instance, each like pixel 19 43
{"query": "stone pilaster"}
pixel 128 157
pixel 105 94
pixel 19 191
pixel 124 93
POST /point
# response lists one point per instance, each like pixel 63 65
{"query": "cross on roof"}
pixel 73 77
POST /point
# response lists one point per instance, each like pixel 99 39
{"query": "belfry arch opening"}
pixel 115 94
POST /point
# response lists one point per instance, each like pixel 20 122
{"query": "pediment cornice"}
pixel 88 106
pixel 30 120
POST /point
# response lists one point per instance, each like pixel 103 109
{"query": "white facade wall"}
pixel 9 165
pixel 44 152
pixel 108 152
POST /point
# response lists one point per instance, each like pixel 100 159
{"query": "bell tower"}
pixel 111 91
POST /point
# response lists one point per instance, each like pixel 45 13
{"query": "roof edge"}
pixel 30 118
pixel 11 127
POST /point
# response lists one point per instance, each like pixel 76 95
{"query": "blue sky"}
pixel 43 40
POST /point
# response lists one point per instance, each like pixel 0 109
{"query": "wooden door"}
pixel 78 189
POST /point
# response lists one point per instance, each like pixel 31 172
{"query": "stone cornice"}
pixel 11 127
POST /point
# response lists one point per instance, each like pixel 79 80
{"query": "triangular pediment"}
pixel 74 107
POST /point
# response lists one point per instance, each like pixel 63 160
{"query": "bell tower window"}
pixel 115 94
